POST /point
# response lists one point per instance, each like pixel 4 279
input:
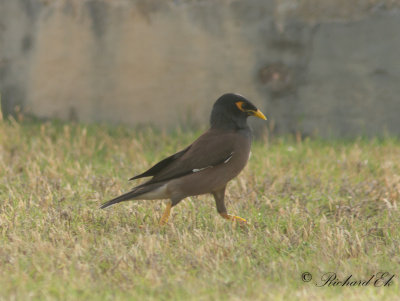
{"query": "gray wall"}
pixel 325 68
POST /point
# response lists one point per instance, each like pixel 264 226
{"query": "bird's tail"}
pixel 138 191
pixel 124 197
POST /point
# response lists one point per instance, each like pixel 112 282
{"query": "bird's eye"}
pixel 240 104
pixel 244 107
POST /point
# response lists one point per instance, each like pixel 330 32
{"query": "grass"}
pixel 316 206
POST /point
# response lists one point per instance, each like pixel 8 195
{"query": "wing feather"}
pixel 212 148
pixel 209 150
pixel 160 165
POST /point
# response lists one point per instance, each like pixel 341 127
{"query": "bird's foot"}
pixel 234 218
pixel 163 221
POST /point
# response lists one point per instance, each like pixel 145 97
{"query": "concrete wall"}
pixel 326 69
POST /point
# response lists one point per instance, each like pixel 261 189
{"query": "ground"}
pixel 313 206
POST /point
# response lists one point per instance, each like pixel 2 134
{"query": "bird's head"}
pixel 231 111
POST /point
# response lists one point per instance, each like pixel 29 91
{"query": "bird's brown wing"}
pixel 212 148
pixel 160 165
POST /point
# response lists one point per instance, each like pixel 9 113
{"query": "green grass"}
pixel 316 206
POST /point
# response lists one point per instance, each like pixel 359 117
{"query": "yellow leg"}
pixel 165 216
pixel 233 218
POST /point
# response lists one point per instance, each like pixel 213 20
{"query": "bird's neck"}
pixel 229 124
pixel 224 121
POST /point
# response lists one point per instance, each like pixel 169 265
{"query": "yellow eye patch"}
pixel 239 104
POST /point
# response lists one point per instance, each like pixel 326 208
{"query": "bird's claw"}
pixel 234 218
pixel 163 221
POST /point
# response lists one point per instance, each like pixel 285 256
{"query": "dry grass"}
pixel 313 206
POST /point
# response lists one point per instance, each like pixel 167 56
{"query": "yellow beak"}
pixel 259 114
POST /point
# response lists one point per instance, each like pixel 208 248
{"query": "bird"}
pixel 205 166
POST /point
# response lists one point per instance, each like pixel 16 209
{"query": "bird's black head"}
pixel 231 111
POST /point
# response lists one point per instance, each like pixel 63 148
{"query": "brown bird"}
pixel 205 166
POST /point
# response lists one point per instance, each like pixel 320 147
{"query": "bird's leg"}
pixel 165 216
pixel 170 204
pixel 219 196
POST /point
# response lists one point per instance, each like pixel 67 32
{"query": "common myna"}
pixel 205 166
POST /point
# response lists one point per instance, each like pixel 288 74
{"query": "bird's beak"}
pixel 259 114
